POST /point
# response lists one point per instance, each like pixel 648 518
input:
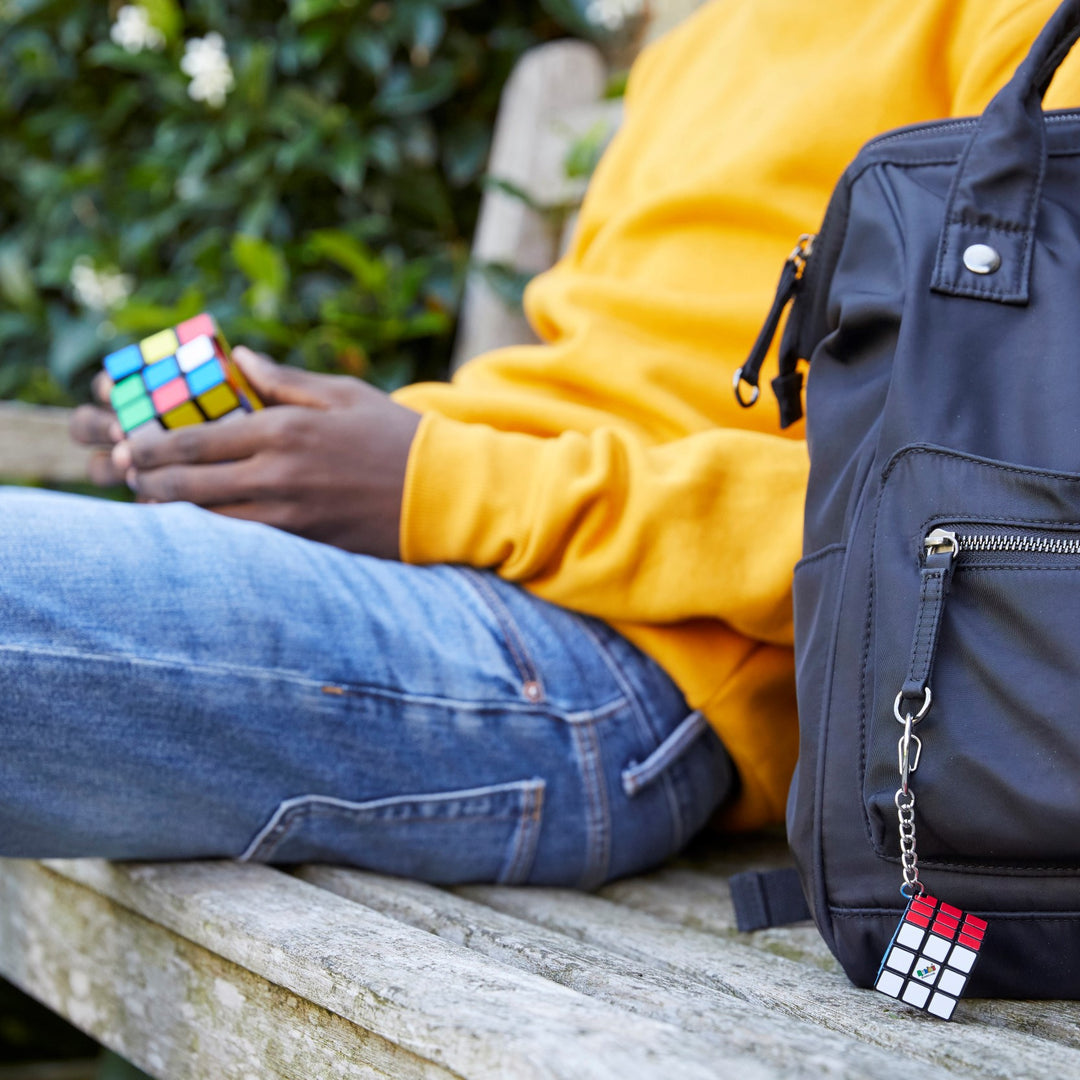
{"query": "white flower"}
pixel 611 14
pixel 99 290
pixel 207 64
pixel 133 32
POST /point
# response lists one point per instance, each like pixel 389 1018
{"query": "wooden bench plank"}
pixel 441 1002
pixel 990 1039
pixel 169 1006
pixel 701 901
pixel 791 1048
pixel 695 894
pixel 34 444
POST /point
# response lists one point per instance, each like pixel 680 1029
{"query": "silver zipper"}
pixel 944 540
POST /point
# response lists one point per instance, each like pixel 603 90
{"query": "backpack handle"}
pixel 994 199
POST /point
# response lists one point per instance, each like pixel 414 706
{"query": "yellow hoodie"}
pixel 610 470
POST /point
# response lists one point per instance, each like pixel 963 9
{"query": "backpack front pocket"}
pixel 976 597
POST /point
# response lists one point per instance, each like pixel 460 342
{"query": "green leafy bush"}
pixel 313 178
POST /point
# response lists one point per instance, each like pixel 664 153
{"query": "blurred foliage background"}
pixel 309 171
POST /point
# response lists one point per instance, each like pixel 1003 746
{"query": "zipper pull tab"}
pixel 790 277
pixel 940 547
pixel 941 542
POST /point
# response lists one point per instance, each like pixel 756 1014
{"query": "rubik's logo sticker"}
pixel 929 960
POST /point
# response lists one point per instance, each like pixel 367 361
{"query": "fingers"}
pixel 101 471
pixel 277 384
pixel 151 447
pixel 205 485
pixel 94 426
pixel 101 387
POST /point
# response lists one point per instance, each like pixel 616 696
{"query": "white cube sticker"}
pixel 889 983
pixel 942 1005
pixel 916 995
pixel 952 982
pixel 937 948
pixel 962 958
pixel 900 960
pixel 910 935
pixel 195 352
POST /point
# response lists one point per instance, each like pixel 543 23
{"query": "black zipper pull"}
pixel 940 549
pixel 785 290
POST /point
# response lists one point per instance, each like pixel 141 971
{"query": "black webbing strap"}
pixel 934 578
pixel 765 898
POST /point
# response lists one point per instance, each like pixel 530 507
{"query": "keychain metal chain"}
pixel 905 797
pixel 929 959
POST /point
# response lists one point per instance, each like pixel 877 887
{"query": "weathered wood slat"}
pixel 35 445
pixel 791 1048
pixel 702 901
pixel 1005 1048
pixel 441 1002
pixel 171 1007
pixel 699 898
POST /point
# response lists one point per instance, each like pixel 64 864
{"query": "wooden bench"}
pixel 213 970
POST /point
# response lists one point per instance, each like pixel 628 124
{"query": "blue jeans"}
pixel 181 685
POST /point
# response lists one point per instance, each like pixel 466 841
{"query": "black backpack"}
pixel 937 608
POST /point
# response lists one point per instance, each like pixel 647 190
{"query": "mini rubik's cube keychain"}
pixel 180 376
pixel 930 957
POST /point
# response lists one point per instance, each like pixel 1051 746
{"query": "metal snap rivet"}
pixel 981 259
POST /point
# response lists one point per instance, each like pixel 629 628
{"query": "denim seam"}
pixel 637 776
pixel 281 675
pixel 597 807
pixel 317 686
pixel 289 809
pixel 515 644
pixel 652 738
pixel 584 716
pixel 526 836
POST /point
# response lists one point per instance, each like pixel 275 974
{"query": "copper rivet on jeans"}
pixel 981 259
pixel 532 690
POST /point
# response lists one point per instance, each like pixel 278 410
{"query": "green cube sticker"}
pixel 124 393
pixel 135 413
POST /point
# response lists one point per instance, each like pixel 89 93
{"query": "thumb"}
pixel 278 384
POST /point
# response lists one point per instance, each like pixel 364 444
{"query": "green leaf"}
pixel 138 318
pixel 255 68
pixel 74 343
pixel 425 27
pixel 570 14
pixel 353 255
pixel 14 325
pixel 407 91
pixel 369 50
pixel 166 16
pixel 261 262
pixel 303 11
pixel 506 282
pixel 586 150
pixel 464 151
pixel 350 166
pixel 16 279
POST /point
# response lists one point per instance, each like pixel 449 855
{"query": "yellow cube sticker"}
pixel 219 401
pixel 158 346
pixel 182 416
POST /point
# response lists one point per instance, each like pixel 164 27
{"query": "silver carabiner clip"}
pixel 906 762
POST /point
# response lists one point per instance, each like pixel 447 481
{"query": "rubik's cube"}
pixel 180 376
pixel 929 960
